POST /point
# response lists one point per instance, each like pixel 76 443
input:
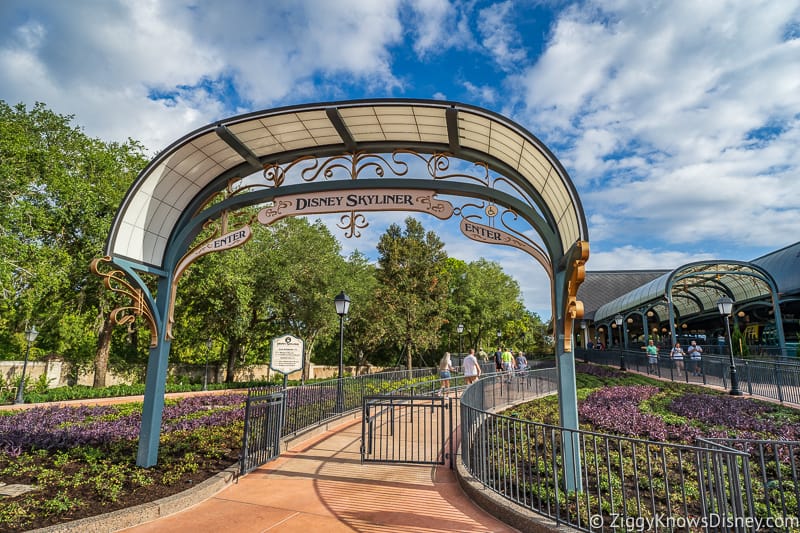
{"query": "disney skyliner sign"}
pixel 361 200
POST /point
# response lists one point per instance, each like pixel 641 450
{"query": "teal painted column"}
pixel 567 394
pixel 155 384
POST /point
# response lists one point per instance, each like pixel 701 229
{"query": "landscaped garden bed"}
pixel 81 461
pixel 662 461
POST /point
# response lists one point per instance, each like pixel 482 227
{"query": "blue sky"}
pixel 679 122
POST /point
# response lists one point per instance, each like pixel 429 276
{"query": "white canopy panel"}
pixel 163 190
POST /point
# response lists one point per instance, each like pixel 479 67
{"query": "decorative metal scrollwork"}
pixel 221 237
pixel 354 165
pixel 117 281
pixel 351 223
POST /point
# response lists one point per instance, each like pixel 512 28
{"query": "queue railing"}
pixel 622 483
pixel 772 379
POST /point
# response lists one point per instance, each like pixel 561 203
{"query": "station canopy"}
pixel 784 266
pixel 175 184
pixel 695 290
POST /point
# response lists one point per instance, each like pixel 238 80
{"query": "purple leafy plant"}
pixel 616 409
pixel 55 427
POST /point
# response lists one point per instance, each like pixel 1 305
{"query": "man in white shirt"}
pixel 472 370
pixel 695 354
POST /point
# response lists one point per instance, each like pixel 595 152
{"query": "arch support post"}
pixel 567 309
pixel 568 414
pixel 155 383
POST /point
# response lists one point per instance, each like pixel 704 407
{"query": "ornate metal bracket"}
pixel 117 281
pixel 574 307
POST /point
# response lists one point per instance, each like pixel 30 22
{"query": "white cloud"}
pixel 103 61
pixel 500 37
pixel 653 108
pixel 642 258
pixel 484 93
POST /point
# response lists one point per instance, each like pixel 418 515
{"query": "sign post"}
pixel 287 355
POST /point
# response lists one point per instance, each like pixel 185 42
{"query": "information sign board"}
pixel 287 354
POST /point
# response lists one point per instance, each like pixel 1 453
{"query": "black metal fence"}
pixel 406 429
pixel 776 380
pixel 307 406
pixel 263 416
pixel 619 483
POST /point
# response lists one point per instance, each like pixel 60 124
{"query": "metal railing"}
pixel 315 403
pixel 407 429
pixel 776 480
pixel 263 416
pixel 622 483
pixel 776 380
pixel 307 406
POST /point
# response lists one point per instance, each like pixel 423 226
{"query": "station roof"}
pixel 602 286
pixel 197 165
pixel 694 289
pixel 784 266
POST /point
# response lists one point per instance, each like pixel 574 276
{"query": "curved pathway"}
pixel 321 485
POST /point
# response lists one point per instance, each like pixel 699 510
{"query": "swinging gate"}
pixel 263 419
pixel 407 429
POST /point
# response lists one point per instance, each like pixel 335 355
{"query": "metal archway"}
pixel 335 149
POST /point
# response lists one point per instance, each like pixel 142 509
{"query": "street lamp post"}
pixel 460 330
pixel 209 343
pixel 342 303
pixel 618 321
pixel 30 336
pixel 725 306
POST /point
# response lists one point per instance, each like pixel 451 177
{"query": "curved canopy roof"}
pixel 695 289
pixel 193 167
pixel 784 266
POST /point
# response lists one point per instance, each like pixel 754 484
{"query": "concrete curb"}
pixel 147 512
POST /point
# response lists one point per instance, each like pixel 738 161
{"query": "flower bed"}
pixel 82 459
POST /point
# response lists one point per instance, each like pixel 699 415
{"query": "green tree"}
pixel 60 191
pixel 365 331
pixel 282 281
pixel 486 300
pixel 413 286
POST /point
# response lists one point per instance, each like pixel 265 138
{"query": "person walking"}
pixel 508 364
pixel 522 364
pixel 445 367
pixel 677 355
pixel 498 360
pixel 695 354
pixel 472 370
